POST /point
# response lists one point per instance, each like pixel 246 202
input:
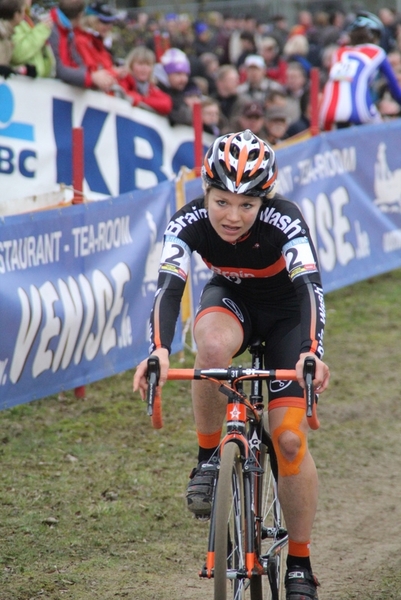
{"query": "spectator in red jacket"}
pixel 70 65
pixel 94 28
pixel 139 85
pixel 276 66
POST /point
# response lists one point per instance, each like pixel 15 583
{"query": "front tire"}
pixel 229 529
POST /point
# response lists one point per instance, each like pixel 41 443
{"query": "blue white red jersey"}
pixel 348 95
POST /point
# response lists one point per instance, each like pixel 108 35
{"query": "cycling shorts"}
pixel 278 327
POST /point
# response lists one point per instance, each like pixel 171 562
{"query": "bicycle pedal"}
pixel 202 517
pixel 273 532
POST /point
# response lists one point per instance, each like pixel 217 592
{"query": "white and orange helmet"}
pixel 241 163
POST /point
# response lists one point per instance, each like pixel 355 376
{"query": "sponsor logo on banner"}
pixel 124 148
pixel 387 183
pixel 12 157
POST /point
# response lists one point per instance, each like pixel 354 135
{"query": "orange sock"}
pixel 300 549
pixel 209 440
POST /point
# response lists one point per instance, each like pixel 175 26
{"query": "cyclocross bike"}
pixel 247 542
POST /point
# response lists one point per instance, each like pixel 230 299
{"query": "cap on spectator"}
pixel 192 90
pixel 252 109
pixel 254 60
pixel 201 27
pixel 104 12
pixel 277 113
pixel 175 61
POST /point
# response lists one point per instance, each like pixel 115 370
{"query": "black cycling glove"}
pixel 6 71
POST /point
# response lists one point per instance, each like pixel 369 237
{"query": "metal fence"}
pixel 262 9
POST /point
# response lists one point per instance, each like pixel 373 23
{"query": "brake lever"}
pixel 309 375
pixel 153 375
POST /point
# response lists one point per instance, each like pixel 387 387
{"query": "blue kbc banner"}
pixel 77 286
pixel 125 148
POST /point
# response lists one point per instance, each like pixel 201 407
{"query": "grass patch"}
pixel 92 499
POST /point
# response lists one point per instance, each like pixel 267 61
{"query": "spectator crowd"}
pixel 244 73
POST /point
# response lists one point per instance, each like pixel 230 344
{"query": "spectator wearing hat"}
pixel 172 75
pixel 91 38
pixel 249 115
pixel 276 98
pixel 139 86
pixel 276 124
pixel 101 19
pixel 70 65
pixel 203 38
pixel 256 85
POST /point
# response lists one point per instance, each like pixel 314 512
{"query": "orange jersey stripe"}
pixel 269 271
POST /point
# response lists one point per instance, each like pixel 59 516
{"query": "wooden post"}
pixel 314 101
pixel 198 131
pixel 78 198
pixel 78 164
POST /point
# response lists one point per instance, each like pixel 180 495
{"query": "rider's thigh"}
pixel 218 337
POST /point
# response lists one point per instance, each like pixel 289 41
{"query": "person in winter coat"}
pixel 70 65
pixel 31 45
pixel 91 37
pixel 11 15
pixel 139 84
pixel 173 77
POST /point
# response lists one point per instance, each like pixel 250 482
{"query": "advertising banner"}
pixel 77 287
pixel 348 185
pixel 125 148
pixel 77 284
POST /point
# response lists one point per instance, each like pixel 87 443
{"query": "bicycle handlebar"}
pixel 231 374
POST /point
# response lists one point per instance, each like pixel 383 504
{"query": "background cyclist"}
pixel 349 95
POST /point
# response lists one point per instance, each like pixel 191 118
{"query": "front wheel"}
pixel 230 565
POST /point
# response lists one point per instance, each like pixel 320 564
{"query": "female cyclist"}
pixel 266 282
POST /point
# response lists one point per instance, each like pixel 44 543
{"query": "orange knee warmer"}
pixel 291 422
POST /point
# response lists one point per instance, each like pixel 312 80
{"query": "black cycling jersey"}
pixel 273 265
